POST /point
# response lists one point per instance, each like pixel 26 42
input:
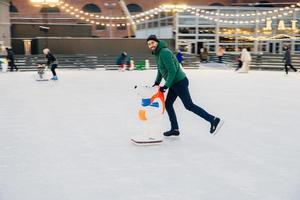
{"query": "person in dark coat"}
pixel 179 57
pixel 11 59
pixel 240 63
pixel 288 60
pixel 121 61
pixel 204 55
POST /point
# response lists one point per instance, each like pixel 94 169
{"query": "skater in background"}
pixel 11 59
pixel 204 55
pixel 177 83
pixel 246 60
pixel 288 60
pixel 130 63
pixel 220 53
pixel 240 63
pixel 51 62
pixel 121 61
pixel 179 57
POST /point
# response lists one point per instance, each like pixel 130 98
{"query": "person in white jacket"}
pixel 246 59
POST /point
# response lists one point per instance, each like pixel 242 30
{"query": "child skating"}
pixel 51 62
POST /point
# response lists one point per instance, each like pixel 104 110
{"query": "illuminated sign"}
pixel 281 25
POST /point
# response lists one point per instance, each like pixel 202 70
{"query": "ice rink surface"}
pixel 70 139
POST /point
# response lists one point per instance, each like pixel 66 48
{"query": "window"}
pixel 121 28
pixel 264 4
pixel 49 10
pixel 91 8
pixel 297 47
pixel 187 21
pixel 100 27
pixel 134 8
pixel 187 37
pixel 212 38
pixel 163 22
pixel 12 8
pixel 227 39
pixel 208 30
pixel 170 21
pixel 150 25
pixel 187 30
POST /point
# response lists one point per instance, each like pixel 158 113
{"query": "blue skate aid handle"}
pixel 155 104
pixel 147 102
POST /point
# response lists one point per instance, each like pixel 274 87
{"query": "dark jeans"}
pixel 290 65
pixel 12 65
pixel 220 59
pixel 181 89
pixel 53 67
pixel 240 64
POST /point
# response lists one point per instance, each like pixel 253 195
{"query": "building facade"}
pixel 23 11
pixel 4 25
pixel 261 30
pixel 191 32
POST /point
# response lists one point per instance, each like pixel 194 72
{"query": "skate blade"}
pixel 147 142
pixel 42 80
pixel 219 127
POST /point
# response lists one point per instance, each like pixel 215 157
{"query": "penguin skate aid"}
pixel 150 113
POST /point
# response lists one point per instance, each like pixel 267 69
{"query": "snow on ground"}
pixel 69 140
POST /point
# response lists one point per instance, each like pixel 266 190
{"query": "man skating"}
pixel 11 59
pixel 177 84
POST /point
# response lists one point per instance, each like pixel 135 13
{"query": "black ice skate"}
pixel 172 133
pixel 216 125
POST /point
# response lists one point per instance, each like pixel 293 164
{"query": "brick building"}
pixel 23 12
pixel 27 18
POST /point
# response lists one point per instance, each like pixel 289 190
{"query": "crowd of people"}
pixel 125 61
pixel 169 68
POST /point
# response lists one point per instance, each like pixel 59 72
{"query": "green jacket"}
pixel 167 65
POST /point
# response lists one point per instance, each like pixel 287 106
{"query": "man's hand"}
pixel 163 89
pixel 155 84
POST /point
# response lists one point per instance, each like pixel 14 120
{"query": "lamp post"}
pixel 110 6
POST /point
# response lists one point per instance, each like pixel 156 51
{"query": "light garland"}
pixel 90 17
pixel 254 14
pixel 275 37
pixel 147 15
pixel 253 21
pixel 278 13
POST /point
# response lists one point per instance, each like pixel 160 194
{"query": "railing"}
pixel 259 61
pixel 265 61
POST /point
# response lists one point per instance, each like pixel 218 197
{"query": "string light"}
pixel 270 12
pixel 222 20
pixel 90 17
pixel 141 17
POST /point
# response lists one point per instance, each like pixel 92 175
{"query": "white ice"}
pixel 70 139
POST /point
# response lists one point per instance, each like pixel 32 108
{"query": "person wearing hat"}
pixel 177 84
